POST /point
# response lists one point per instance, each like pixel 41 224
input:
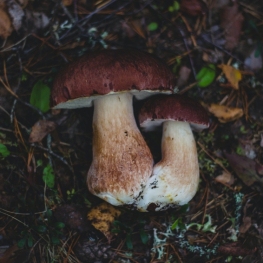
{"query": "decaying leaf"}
pixel 253 61
pixel 73 216
pixel 235 249
pixel 8 255
pixel 67 2
pixel 40 130
pixel 102 217
pixel 245 169
pixel 193 7
pixel 136 25
pixel 5 22
pixel 232 74
pixel 16 13
pixel 245 225
pixel 225 178
pixel 225 113
pixel 231 20
pixel 183 77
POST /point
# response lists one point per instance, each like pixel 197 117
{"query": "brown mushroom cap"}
pixel 107 72
pixel 176 107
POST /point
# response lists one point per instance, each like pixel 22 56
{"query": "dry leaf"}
pixel 235 249
pixel 233 75
pixel 245 169
pixel 16 13
pixel 5 22
pixel 253 62
pixel 102 217
pixel 136 25
pixel 231 21
pixel 245 225
pixel 193 7
pixel 40 130
pixel 183 76
pixel 8 255
pixel 67 2
pixel 225 113
pixel 225 178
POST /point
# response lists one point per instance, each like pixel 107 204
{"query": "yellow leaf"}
pixel 232 74
pixel 225 178
pixel 102 217
pixel 225 113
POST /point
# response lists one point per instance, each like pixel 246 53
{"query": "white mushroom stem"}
pixel 174 180
pixel 122 162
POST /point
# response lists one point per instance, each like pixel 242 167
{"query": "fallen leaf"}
pixel 225 113
pixel 8 255
pixel 245 225
pixel 235 249
pixel 5 22
pixel 244 168
pixel 67 2
pixel 40 130
pixel 183 77
pixel 225 178
pixel 253 61
pixel 231 20
pixel 16 13
pixel 232 74
pixel 136 26
pixel 193 7
pixel 102 217
pixel 38 20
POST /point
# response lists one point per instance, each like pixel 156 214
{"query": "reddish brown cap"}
pixel 161 108
pixel 110 71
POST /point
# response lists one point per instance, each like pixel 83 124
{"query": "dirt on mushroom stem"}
pixel 122 162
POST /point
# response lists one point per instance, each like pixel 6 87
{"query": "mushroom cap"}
pixel 107 72
pixel 161 108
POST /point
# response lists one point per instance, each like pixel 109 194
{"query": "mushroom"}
pixel 174 180
pixel 122 162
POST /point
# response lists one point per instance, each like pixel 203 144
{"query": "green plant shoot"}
pixel 206 75
pixel 4 152
pixel 48 176
pixel 40 96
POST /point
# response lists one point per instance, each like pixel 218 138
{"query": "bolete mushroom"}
pixel 122 162
pixel 174 180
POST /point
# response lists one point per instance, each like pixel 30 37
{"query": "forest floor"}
pixel 214 48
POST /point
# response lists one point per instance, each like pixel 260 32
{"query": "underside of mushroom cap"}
pixel 107 72
pixel 161 108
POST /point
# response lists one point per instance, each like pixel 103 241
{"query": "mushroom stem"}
pixel 122 162
pixel 174 180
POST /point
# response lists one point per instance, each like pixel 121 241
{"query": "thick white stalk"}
pixel 175 178
pixel 122 162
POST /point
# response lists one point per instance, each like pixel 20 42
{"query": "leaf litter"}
pixel 46 154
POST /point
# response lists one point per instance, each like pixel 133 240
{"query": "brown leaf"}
pixel 231 21
pixel 136 25
pixel 244 168
pixel 40 130
pixel 235 249
pixel 67 2
pixel 245 225
pixel 183 77
pixel 225 178
pixel 193 7
pixel 8 255
pixel 5 22
pixel 233 75
pixel 102 217
pixel 225 113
